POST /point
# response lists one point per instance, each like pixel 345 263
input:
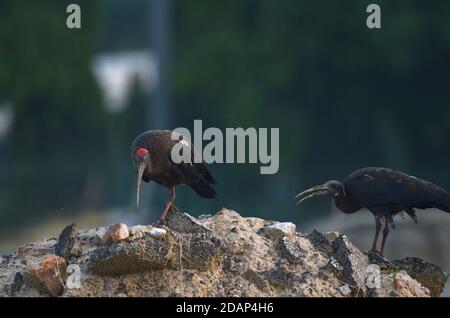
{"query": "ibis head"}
pixel 330 188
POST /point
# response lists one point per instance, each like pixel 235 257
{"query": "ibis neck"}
pixel 346 203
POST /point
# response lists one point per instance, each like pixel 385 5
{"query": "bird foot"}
pixel 375 251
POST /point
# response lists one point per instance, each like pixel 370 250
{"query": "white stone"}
pixel 157 232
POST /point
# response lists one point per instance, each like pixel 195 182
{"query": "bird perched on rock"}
pixel 151 155
pixel 385 193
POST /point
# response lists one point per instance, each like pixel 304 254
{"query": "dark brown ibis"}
pixel 151 156
pixel 385 193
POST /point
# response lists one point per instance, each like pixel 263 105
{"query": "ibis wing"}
pixel 381 187
pixel 195 174
pixel 431 196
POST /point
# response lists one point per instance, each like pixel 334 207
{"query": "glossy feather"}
pixel 167 173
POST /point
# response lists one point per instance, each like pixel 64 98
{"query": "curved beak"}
pixel 319 190
pixel 141 169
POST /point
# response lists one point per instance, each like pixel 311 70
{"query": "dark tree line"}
pixel 342 95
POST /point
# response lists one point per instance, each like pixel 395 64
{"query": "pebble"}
pixel 157 232
pixel 116 233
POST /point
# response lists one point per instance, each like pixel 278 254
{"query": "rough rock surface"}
pixel 429 275
pixel 408 287
pixel 220 255
pixel 66 241
pixel 47 276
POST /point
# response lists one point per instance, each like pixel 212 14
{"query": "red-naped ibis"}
pixel 151 156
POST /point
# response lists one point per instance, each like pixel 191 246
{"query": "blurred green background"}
pixel 344 97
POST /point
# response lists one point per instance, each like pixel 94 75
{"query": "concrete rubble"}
pixel 224 254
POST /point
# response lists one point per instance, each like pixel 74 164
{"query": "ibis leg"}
pixel 168 208
pixel 377 233
pixel 385 235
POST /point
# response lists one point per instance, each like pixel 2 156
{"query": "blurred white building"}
pixel 116 72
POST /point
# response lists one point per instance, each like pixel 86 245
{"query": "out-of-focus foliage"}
pixel 342 95
pixel 59 122
pixel 340 90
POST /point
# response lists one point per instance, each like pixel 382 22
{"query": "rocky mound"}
pixel 220 255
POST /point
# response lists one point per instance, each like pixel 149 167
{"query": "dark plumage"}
pixel 151 156
pixel 385 193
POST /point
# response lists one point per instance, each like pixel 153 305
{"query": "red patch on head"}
pixel 141 152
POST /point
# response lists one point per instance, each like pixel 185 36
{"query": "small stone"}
pixel 157 232
pixel 115 233
pixel 48 275
pixel 406 286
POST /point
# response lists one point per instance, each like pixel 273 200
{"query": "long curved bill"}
pixel 310 193
pixel 139 181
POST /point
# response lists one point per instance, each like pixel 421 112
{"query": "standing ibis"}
pixel 151 156
pixel 385 193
